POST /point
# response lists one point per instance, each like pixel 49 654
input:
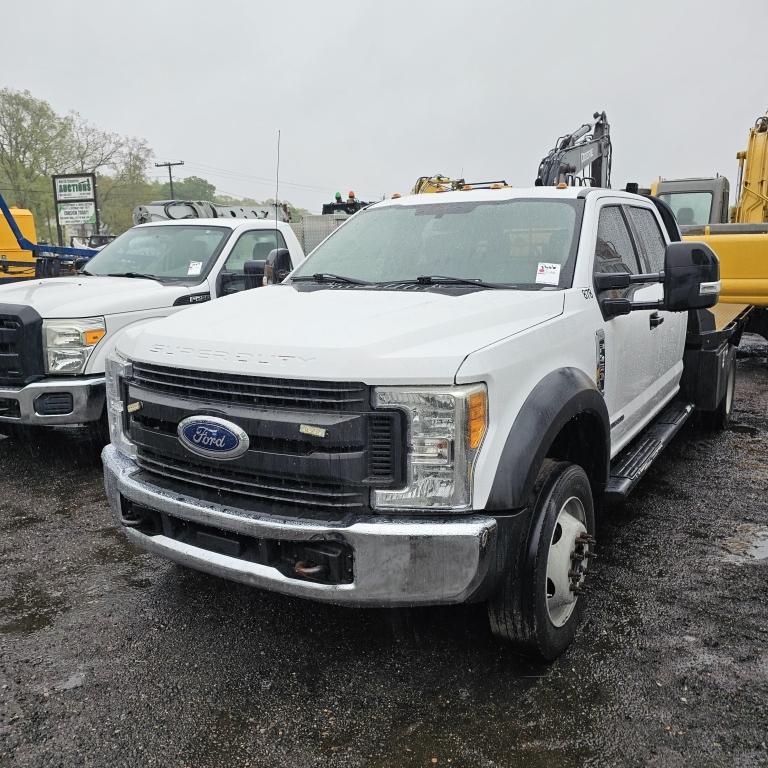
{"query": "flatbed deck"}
pixel 725 314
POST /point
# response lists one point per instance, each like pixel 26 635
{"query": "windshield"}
pixel 689 207
pixel 511 242
pixel 172 251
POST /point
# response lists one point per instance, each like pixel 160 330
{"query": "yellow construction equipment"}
pixel 740 239
pixel 440 183
pixel 13 258
pixel 752 204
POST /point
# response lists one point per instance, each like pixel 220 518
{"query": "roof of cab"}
pixel 230 223
pixel 505 193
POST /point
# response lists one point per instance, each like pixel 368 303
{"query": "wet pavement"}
pixel 111 657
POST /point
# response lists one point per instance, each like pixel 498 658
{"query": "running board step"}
pixel 633 462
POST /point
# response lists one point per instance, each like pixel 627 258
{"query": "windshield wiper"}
pixel 328 277
pixel 448 280
pixel 85 272
pixel 139 275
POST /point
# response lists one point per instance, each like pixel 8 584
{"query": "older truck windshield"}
pixel 170 251
pixel 515 242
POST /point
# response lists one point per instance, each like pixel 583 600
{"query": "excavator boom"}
pixel 582 157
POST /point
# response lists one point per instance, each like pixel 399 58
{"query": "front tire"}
pixel 537 605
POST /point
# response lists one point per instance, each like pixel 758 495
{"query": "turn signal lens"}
pixel 93 336
pixel 477 418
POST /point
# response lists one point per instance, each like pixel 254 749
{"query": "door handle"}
pixel 656 320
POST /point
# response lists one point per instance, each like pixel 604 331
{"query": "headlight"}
pixel 446 427
pixel 118 369
pixel 68 343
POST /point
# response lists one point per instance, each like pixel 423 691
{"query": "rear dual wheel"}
pixel 720 418
pixel 538 603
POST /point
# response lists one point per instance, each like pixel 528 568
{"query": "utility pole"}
pixel 170 173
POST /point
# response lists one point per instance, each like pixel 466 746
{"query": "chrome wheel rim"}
pixel 567 560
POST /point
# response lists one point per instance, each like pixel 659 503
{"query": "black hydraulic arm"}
pixel 588 147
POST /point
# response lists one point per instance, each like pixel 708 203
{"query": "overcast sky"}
pixel 369 96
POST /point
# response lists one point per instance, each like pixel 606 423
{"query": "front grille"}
pixel 282 490
pixel 21 353
pixel 258 391
pixel 10 361
pixel 315 448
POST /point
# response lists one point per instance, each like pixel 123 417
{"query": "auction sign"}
pixel 74 196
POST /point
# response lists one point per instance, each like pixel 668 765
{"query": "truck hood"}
pixel 85 296
pixel 376 337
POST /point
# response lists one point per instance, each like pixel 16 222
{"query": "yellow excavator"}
pixel 739 235
pixel 440 183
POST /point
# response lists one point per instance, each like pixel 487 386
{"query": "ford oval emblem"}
pixel 212 437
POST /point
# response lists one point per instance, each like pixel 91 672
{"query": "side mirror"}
pixel 278 266
pixel 691 277
pixel 254 273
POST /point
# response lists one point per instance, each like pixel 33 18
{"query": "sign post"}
pixel 74 197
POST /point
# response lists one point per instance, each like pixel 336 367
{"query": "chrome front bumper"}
pixel 88 397
pixel 396 561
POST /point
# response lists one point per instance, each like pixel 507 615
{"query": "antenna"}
pixel 277 179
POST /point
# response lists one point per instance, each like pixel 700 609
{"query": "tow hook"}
pixel 309 570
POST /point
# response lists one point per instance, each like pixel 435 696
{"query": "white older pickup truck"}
pixel 55 333
pixel 456 386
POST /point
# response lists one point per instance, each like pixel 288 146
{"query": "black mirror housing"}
pixel 254 273
pixel 691 277
pixel 278 266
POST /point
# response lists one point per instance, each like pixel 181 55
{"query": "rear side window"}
pixel 651 241
pixel 614 251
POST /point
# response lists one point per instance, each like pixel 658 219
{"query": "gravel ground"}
pixel 110 657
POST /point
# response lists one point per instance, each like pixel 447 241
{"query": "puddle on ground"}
pixel 19 520
pixel 28 609
pixel 749 543
pixel 744 429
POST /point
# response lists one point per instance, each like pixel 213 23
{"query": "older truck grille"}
pixel 21 345
pixel 285 471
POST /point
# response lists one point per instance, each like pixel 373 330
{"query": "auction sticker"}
pixel 195 267
pixel 548 274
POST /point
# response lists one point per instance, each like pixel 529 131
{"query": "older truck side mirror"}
pixel 254 273
pixel 691 280
pixel 278 266
pixel 691 277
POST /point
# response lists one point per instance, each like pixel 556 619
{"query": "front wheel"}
pixel 537 604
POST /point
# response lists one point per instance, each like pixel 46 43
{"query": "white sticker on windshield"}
pixel 195 268
pixel 548 274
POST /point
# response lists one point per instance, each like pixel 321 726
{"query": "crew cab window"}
pixel 253 246
pixel 651 241
pixel 614 251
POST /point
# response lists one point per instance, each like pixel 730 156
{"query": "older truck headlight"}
pixel 69 343
pixel 446 427
pixel 118 370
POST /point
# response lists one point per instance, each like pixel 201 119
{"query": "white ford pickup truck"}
pixel 433 408
pixel 55 333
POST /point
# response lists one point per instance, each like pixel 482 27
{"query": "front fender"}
pixel 559 397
